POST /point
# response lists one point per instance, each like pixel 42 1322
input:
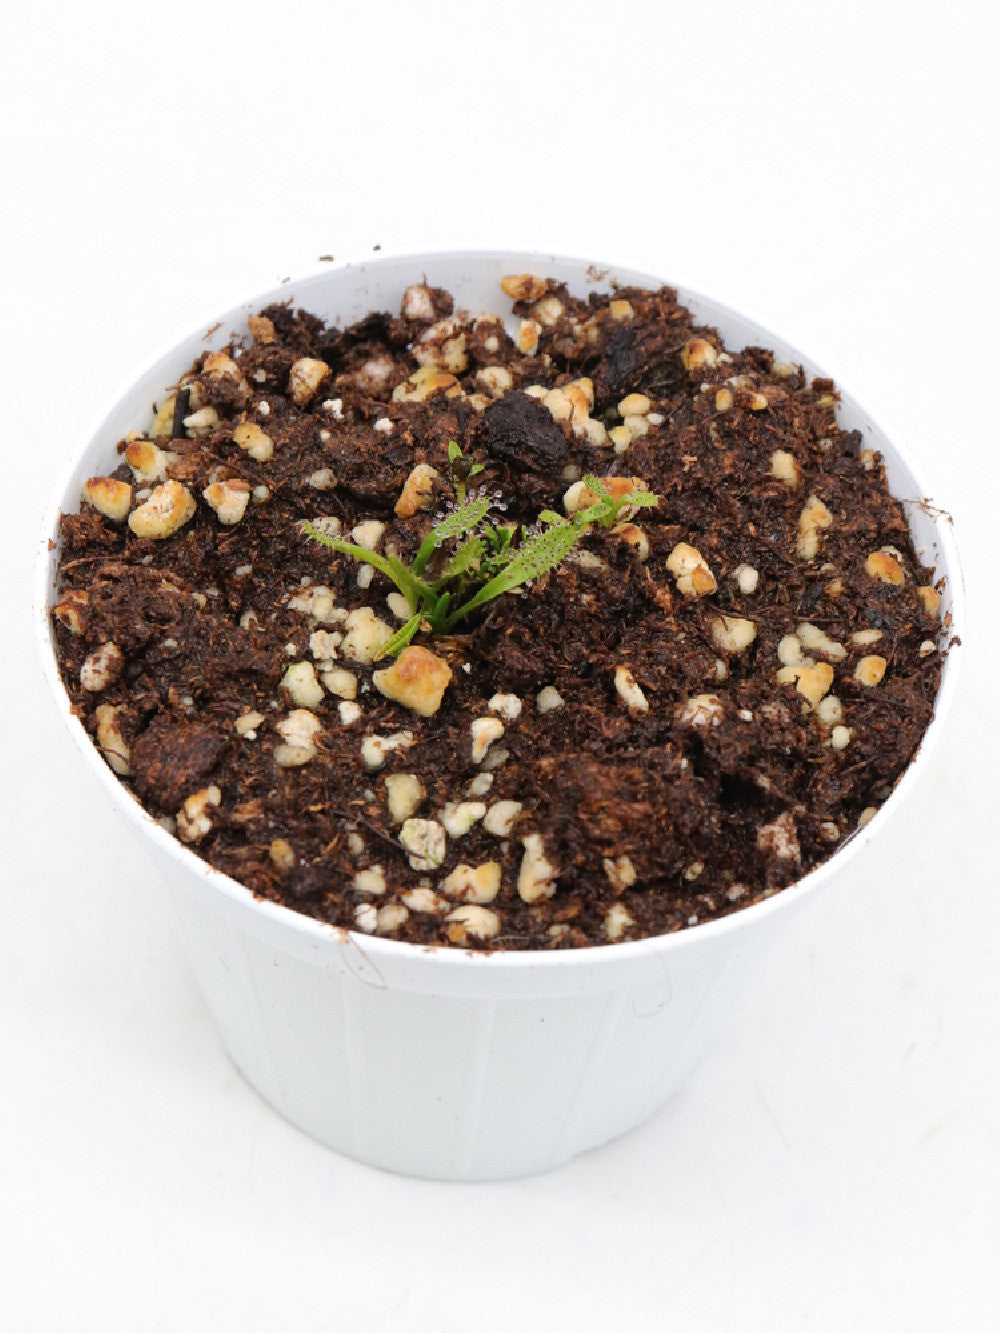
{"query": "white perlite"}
pixel 507 705
pixel 630 693
pixel 549 698
pixel 485 730
pixel 102 667
pixel 473 884
pixel 537 876
pixel 425 841
pixel 299 731
pixel 366 635
pixel 404 791
pixel 779 839
pixel 479 922
pixel 620 871
pixel 303 688
pixel 193 820
pixel 368 534
pixel 458 817
pixel 480 784
pixel 499 819
pixel 375 750
pixel 340 681
pixel 370 881
pixel 617 920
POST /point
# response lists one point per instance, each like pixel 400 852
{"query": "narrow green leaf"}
pixel 538 555
pixel 401 638
pixel 466 558
pixel 438 615
pixel 461 520
pixel 596 486
pixel 411 588
pixel 427 548
pixel 602 512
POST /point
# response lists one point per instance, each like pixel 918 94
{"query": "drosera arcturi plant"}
pixel 486 560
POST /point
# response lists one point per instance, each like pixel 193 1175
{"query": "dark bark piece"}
pixel 171 760
pixel 519 431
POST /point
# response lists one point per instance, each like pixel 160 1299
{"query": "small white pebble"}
pixel 548 698
pixel 384 426
pixel 485 730
pixel 830 710
pixel 537 876
pixel 630 693
pixel 507 705
pixel 247 725
pixel 300 681
pixel 479 922
pixel 375 750
pixel 368 534
pixel 370 881
pixel 473 884
pixel 405 791
pixel 747 579
pixel 499 819
pixel 480 784
pixel 349 712
pixel 366 917
pixel 458 817
pixel 425 841
pixel 790 651
pixel 340 681
pixel 617 920
pixel 390 917
pixel 423 899
pixel 323 644
pixel 322 479
pixel 621 872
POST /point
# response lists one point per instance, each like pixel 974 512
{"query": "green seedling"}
pixel 486 559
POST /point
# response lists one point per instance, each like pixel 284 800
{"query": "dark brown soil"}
pixel 726 786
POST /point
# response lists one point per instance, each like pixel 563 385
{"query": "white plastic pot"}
pixel 442 1062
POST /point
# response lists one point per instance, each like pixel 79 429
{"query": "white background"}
pixel 829 169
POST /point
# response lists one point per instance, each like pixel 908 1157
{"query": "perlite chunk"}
pixel 425 842
pixel 303 688
pixel 417 680
pixel 537 876
pixel 298 731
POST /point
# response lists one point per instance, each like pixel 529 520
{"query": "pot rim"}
pixel 720 931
